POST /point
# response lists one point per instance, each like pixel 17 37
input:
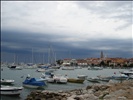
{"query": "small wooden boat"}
pixel 6 81
pixel 75 80
pixel 10 90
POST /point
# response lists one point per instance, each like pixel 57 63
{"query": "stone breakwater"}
pixel 109 91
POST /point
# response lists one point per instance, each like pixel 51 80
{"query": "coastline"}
pixel 110 91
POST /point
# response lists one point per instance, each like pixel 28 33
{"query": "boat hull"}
pixel 30 86
pixel 72 80
pixel 95 80
pixel 67 68
pixel 13 92
pixel 6 82
pixel 82 77
pixel 7 90
pixel 33 83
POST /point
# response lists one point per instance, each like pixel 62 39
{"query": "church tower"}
pixel 102 56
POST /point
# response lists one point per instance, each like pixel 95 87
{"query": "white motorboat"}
pixel 57 79
pixel 48 77
pixel 55 67
pixel 50 80
pixel 105 79
pixel 89 68
pixel 18 68
pixel 94 79
pixel 41 79
pixel 67 68
pixel 60 79
pixel 78 67
pixel 30 66
pixel 15 67
pixel 82 76
pixel 10 90
pixel 96 68
pixel 41 70
pixel 128 72
pixel 120 77
pixel 6 81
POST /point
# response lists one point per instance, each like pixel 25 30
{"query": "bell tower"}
pixel 102 54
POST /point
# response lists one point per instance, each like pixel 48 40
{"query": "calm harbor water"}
pixel 17 76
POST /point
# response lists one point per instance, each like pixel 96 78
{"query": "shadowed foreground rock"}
pixel 110 91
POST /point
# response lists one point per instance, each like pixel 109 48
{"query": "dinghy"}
pixel 75 80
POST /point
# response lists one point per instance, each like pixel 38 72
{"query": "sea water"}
pixel 20 75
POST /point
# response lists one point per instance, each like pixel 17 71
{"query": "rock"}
pixel 73 96
pixel 111 82
pixel 91 97
pixel 114 91
pixel 122 98
pixel 88 87
pixel 70 98
pixel 96 88
pixel 103 94
pixel 118 92
pixel 78 98
pixel 84 91
pixel 104 87
pixel 90 91
pixel 107 97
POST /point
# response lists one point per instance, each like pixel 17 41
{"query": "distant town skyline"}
pixel 70 29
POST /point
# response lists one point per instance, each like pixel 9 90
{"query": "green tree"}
pixel 59 62
pixel 102 63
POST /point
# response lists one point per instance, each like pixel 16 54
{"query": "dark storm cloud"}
pixel 22 44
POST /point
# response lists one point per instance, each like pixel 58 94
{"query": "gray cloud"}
pixel 24 42
pixel 119 10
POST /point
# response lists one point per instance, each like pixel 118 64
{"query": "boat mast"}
pixel 48 55
pixel 32 55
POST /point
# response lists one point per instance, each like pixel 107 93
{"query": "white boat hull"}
pixel 50 80
pixel 6 81
pixel 82 76
pixel 30 86
pixel 8 90
pixel 13 92
pixel 68 68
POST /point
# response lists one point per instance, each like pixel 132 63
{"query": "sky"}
pixel 65 29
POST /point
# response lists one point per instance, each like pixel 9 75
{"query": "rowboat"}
pixel 75 80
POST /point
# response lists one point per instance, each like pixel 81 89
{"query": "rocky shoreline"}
pixel 110 91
